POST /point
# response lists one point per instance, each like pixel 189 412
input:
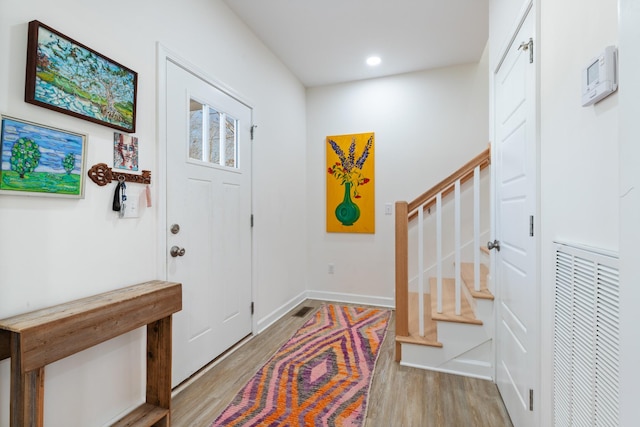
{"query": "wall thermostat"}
pixel 600 76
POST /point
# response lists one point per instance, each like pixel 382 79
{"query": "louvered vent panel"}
pixel 607 343
pixel 586 341
pixel 563 338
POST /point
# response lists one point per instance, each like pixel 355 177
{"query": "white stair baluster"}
pixel 476 228
pixel 421 271
pixel 457 247
pixel 439 252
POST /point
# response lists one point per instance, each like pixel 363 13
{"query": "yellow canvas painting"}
pixel 350 183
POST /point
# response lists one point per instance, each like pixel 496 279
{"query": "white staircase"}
pixel 445 314
pixel 460 344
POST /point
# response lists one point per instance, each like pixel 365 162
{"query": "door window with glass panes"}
pixel 213 135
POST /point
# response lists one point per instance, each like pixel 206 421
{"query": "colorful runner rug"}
pixel 320 377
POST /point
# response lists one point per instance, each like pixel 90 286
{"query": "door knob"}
pixel 493 245
pixel 176 251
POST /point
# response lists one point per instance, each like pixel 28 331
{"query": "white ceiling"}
pixel 328 41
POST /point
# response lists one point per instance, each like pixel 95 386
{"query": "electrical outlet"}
pixel 331 269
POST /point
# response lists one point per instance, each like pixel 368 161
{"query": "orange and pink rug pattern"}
pixel 320 377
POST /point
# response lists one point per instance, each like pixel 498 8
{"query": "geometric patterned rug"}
pixel 320 377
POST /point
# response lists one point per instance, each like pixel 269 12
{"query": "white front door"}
pixel 208 218
pixel 515 195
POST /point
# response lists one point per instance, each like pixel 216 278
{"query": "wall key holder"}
pixel 102 175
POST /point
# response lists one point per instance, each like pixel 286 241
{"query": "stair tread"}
pixel 449 305
pixel 466 271
pixel 430 327
pixel 484 249
pixel 417 339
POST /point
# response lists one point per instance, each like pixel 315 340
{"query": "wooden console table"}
pixel 35 339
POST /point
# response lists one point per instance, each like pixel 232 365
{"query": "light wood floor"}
pixel 399 396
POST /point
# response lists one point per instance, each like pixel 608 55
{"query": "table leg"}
pixel 27 391
pixel 159 366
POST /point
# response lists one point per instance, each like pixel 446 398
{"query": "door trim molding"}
pixel 163 55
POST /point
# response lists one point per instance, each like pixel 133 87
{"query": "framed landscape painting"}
pixel 66 76
pixel 41 160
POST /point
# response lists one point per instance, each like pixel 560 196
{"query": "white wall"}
pixel 426 124
pixel 55 250
pixel 579 162
pixel 578 144
pixel 629 209
pixel 579 154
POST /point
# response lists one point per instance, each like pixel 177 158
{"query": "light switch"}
pixel 132 206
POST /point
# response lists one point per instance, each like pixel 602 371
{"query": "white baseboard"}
pixel 276 314
pixel 352 298
pixel 448 371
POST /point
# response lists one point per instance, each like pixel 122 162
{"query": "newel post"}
pixel 402 273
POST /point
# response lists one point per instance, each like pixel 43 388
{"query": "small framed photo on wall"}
pixel 125 152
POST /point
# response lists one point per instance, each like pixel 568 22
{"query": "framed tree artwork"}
pixel 41 160
pixel 66 76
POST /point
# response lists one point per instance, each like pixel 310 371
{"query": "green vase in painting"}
pixel 347 212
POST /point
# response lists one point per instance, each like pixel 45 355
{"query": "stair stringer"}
pixel 470 355
pixel 466 349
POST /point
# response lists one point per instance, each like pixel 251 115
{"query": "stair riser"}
pixel 460 337
pixel 476 362
pixel 470 299
pixel 484 310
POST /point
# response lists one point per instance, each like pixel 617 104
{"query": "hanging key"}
pixel 123 205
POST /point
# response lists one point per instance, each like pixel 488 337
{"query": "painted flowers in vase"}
pixel 348 171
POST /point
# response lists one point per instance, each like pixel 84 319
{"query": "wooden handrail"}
pixel 445 186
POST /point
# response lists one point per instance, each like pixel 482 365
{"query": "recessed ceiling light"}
pixel 373 61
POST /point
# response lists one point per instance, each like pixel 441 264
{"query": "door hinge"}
pixel 528 46
pixel 251 220
pixel 531 225
pixel 253 127
pixel 530 399
pixel 252 308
